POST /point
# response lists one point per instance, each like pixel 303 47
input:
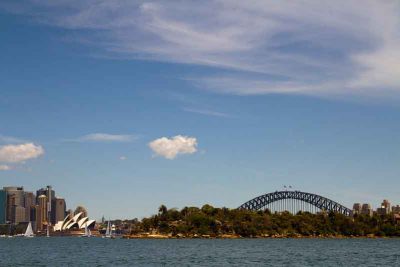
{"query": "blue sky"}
pixel 123 106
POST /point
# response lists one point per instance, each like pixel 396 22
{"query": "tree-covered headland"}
pixel 208 221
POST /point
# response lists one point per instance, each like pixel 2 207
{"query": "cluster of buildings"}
pixel 384 209
pixel 44 209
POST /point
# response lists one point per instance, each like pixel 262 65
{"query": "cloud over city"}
pixel 170 148
pixel 254 47
pixel 19 153
pixel 104 137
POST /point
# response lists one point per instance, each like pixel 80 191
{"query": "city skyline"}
pixel 124 111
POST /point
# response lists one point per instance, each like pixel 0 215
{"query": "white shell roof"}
pixel 75 221
pixel 82 221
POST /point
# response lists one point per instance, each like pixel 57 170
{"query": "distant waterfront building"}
pixel 37 213
pixel 41 212
pixel 3 206
pixel 385 208
pixel 386 204
pixel 50 196
pixel 10 205
pixel 60 209
pixel 366 209
pixel 18 214
pixel 33 212
pixel 357 208
pixel 396 209
pixel 15 198
pixel 17 192
pixel 29 202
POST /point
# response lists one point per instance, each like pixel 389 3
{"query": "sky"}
pixel 123 106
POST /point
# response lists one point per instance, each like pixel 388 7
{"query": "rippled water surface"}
pixel 65 251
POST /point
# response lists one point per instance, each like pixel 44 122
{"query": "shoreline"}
pixel 161 236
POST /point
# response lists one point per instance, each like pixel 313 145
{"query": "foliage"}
pixel 207 220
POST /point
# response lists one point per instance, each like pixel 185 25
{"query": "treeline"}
pixel 214 222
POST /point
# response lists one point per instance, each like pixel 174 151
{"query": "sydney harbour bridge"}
pixel 293 202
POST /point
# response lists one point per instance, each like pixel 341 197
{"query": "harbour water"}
pixel 70 251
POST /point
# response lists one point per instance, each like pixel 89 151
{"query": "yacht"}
pixel 87 232
pixel 29 231
pixel 109 232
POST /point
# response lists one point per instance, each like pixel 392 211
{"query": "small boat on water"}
pixel 88 233
pixel 109 232
pixel 29 231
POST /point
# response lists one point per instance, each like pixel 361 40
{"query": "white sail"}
pixel 87 231
pixel 108 231
pixel 29 231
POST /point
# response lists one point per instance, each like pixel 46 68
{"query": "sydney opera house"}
pixel 75 222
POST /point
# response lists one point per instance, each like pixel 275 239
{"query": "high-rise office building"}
pixel 356 208
pixel 366 209
pixel 3 206
pixel 10 205
pixel 60 209
pixel 386 204
pixel 50 195
pixel 38 223
pixel 29 202
pixel 15 197
pixel 385 208
pixel 41 212
pixel 33 213
pixel 396 209
pixel 18 214
pixel 18 192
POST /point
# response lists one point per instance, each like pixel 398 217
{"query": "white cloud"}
pixel 11 140
pixel 313 47
pixel 206 112
pixel 20 153
pixel 103 137
pixel 123 158
pixel 5 168
pixel 171 147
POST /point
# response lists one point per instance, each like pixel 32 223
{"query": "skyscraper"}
pixel 29 202
pixel 50 195
pixel 41 212
pixel 356 208
pixel 18 214
pixel 18 192
pixel 385 208
pixel 366 209
pixel 60 209
pixel 3 206
pixel 15 198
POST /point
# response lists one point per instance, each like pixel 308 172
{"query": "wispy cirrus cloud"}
pixel 206 112
pixel 104 137
pixel 255 47
pixel 11 139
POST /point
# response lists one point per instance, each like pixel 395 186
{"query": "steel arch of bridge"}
pixel 323 203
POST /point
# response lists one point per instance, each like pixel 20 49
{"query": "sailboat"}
pixel 87 232
pixel 108 231
pixel 29 231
